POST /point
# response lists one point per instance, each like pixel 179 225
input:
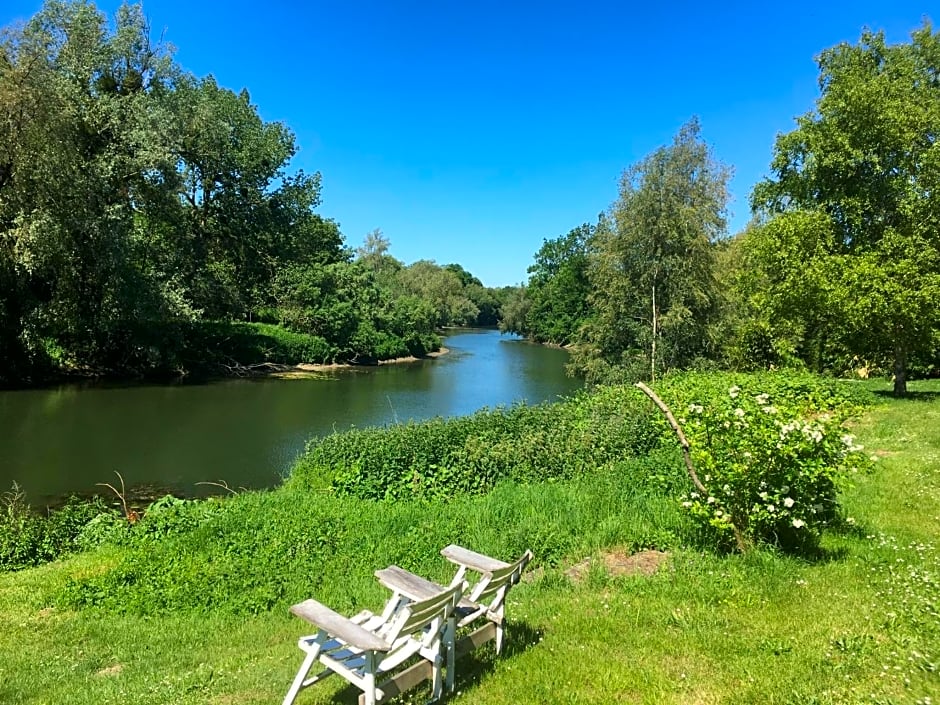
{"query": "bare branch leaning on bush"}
pixel 690 468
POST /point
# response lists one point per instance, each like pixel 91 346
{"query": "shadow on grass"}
pixel 928 395
pixel 822 555
pixel 519 638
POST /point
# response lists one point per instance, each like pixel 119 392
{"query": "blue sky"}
pixel 470 132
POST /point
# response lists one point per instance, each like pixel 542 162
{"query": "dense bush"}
pixel 771 451
pixel 441 458
pixel 28 538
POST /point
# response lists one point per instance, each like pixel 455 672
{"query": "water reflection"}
pixel 248 432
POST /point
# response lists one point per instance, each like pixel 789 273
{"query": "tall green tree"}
pixel 654 296
pixel 865 165
pixel 81 123
pixel 442 288
pixel 559 288
pixel 244 216
pixel 133 194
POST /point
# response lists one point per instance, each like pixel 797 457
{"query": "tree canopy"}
pixel 851 233
pixel 653 288
pixel 137 199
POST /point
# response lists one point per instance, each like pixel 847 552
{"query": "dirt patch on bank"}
pixel 618 562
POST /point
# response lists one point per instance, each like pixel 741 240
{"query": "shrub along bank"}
pixel 575 439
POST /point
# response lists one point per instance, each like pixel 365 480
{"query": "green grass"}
pixel 860 625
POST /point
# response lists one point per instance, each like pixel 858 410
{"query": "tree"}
pixel 133 194
pixel 559 288
pixel 653 289
pixel 81 126
pixel 515 310
pixel 442 288
pixel 866 162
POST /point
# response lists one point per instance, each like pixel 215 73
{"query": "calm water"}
pixel 248 432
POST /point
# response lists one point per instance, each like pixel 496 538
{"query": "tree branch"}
pixel 686 455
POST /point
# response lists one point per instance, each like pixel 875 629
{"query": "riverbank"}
pixel 311 371
pixel 206 596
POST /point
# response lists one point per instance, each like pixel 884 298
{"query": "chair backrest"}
pixel 497 581
pixel 416 616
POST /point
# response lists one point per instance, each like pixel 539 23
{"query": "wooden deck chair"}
pixel 367 646
pixel 485 599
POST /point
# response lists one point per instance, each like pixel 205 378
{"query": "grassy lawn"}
pixel 861 625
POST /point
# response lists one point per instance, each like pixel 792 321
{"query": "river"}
pixel 248 432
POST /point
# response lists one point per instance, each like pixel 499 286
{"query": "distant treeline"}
pixel 839 270
pixel 149 221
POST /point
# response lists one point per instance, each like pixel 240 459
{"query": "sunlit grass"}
pixel 860 625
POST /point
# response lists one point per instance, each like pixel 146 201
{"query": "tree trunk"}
pixel 653 348
pixel 900 371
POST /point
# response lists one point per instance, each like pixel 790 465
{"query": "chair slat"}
pixel 339 626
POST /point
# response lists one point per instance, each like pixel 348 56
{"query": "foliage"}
pixel 443 289
pixel 141 206
pixel 558 290
pixel 343 303
pixel 772 453
pixel 29 539
pixel 653 288
pixel 441 458
pixel 258 551
pixel 852 244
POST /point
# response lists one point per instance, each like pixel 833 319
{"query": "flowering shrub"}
pixel 771 465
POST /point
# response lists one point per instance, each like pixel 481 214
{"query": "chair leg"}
pixel 298 683
pixel 437 661
pixel 450 644
pixel 499 629
pixel 369 679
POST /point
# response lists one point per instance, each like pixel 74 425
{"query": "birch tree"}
pixel 654 294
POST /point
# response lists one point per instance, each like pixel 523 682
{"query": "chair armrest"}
pixel 337 625
pixel 471 559
pixel 412 586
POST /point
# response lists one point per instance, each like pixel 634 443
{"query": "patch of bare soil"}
pixel 619 563
pixel 110 670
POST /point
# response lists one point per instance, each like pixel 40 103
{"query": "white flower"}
pixel 788 502
pixel 770 410
pixel 771 508
pixel 798 523
pixel 812 433
pixel 762 399
pixel 696 408
pixel 686 504
pixel 739 413
pixel 734 391
pixel 710 500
